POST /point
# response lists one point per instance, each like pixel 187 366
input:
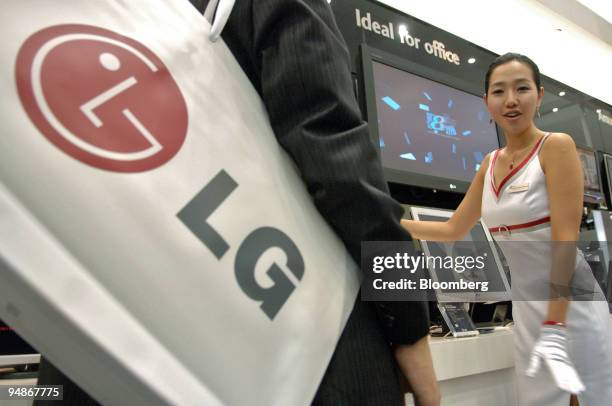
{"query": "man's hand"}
pixel 417 366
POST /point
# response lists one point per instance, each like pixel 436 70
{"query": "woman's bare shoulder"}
pixel 558 141
pixel 557 148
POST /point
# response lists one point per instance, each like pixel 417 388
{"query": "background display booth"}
pixel 423 103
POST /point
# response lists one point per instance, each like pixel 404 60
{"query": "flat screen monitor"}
pixel 431 134
pixel 593 191
pixel 603 231
pixel 13 349
pixel 478 242
pixel 607 170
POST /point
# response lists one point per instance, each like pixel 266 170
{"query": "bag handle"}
pixel 217 13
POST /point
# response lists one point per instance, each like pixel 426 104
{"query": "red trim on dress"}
pixel 519 226
pixel 513 172
pixel 491 171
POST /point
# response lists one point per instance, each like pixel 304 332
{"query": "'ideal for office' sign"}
pixel 434 48
pixel 156 244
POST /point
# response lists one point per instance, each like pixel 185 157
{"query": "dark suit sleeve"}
pixel 306 87
pixel 303 70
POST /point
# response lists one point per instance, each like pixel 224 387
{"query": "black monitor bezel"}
pixel 369 55
pixel 413 213
pixel 22 354
pixel 602 202
pixel 606 169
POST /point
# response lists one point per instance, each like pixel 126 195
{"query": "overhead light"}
pixel 555 110
pixel 471 60
pixel 561 94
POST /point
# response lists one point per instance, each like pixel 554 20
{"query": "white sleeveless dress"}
pixel 519 212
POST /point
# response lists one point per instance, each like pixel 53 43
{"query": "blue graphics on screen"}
pixel 421 119
pixel 391 103
pixel 407 139
pixel 381 142
pixel 437 124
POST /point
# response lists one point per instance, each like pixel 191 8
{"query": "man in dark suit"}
pixel 295 56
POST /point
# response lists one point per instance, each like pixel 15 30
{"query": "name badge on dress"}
pixel 518 188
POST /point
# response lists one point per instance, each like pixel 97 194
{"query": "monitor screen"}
pixel 477 242
pixel 13 349
pixel 607 160
pixel 602 244
pixel 593 192
pixel 428 128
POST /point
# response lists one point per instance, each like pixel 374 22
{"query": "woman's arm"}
pixel 462 220
pixel 564 181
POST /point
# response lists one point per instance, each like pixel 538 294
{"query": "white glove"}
pixel 551 347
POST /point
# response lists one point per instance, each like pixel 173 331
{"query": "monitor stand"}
pixel 457 319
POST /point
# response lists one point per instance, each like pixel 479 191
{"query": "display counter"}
pixel 474 371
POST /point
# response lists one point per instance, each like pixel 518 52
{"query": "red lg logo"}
pixel 102 98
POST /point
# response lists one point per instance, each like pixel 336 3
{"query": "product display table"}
pixel 474 371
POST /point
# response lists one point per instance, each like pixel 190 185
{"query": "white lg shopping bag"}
pixel 155 241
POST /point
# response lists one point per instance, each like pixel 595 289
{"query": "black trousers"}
pixel 362 371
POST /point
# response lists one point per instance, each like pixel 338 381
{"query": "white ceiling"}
pixel 579 54
pixel 601 7
pixel 594 16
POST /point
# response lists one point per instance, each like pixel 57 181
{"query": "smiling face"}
pixel 513 97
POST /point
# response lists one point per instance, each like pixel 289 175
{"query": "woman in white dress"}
pixel 531 191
